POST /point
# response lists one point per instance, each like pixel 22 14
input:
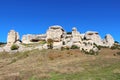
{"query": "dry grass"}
pixel 45 64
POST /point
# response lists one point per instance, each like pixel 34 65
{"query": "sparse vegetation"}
pixel 99 47
pixel 50 43
pixel 91 52
pixel 42 42
pixel 60 65
pixel 65 48
pixel 74 47
pixel 115 46
pixel 14 47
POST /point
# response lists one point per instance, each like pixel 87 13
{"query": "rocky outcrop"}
pixel 30 38
pixel 56 33
pixel 93 37
pixel 12 38
pixel 86 41
pixel 108 41
pixel 76 37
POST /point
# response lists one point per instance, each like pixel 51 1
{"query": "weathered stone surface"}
pixel 56 33
pixel 76 37
pixel 60 39
pixel 13 36
pixel 27 38
pixel 86 45
pixel 57 45
pixel 93 36
pixel 30 38
pixel 108 41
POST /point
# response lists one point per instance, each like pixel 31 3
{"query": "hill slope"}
pixel 60 65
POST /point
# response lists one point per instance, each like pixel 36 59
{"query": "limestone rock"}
pixel 108 41
pixel 76 37
pixel 27 38
pixel 12 38
pixel 30 38
pixel 56 33
pixel 57 45
pixel 93 36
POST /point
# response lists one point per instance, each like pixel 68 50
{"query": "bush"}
pixel 65 48
pixel 74 47
pixel 99 47
pixel 91 52
pixel 50 43
pixel 14 47
pixel 115 46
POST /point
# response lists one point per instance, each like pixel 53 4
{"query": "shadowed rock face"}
pixel 13 37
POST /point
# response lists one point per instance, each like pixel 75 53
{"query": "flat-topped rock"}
pixel 55 33
pixel 13 37
pixel 94 36
pixel 55 27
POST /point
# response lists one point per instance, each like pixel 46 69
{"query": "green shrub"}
pixel 42 42
pixel 14 47
pixel 74 47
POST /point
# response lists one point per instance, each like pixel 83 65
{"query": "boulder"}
pixel 94 37
pixel 76 37
pixel 57 45
pixel 56 33
pixel 12 38
pixel 108 41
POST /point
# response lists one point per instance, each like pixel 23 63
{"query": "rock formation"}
pixel 30 38
pixel 56 33
pixel 85 41
pixel 108 41
pixel 12 38
pixel 76 37
pixel 93 37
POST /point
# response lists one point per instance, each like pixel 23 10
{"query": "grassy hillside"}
pixel 60 65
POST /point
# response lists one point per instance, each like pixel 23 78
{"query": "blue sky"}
pixel 35 16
